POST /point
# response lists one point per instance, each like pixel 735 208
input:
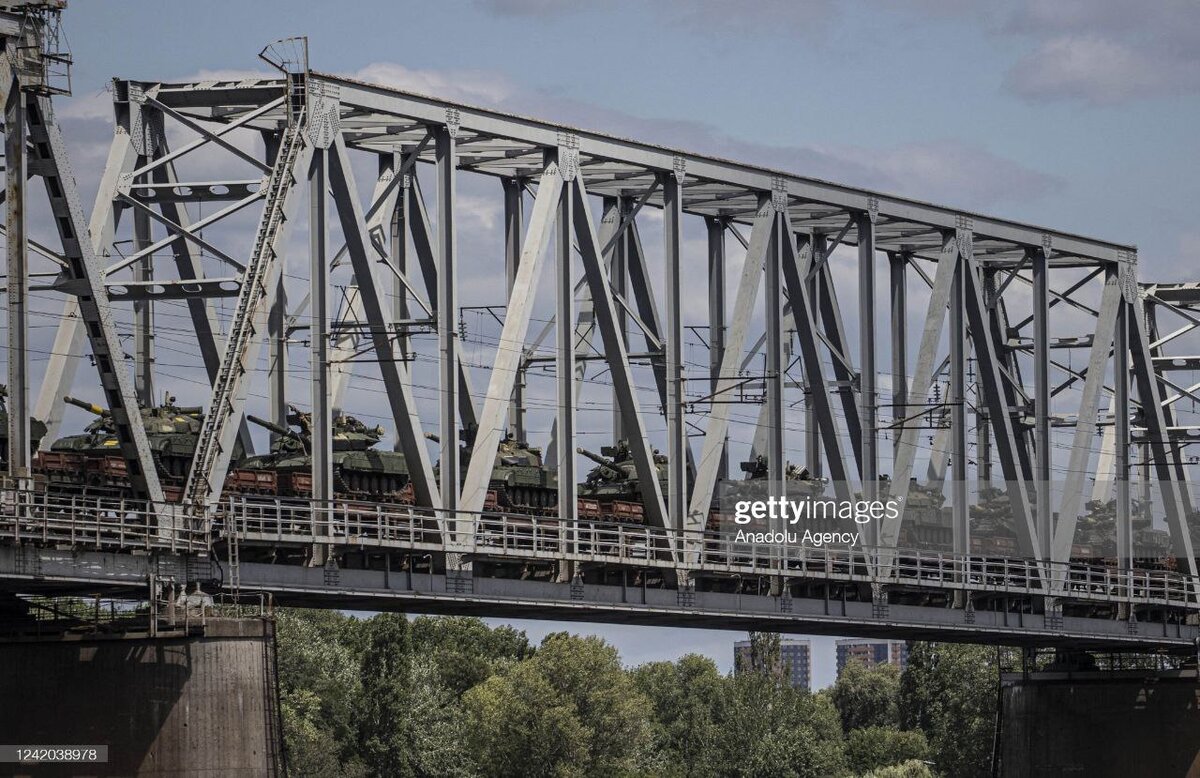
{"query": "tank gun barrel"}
pixel 436 438
pixel 273 427
pixel 91 408
pixel 603 461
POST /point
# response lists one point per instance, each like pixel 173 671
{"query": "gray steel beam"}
pixel 716 319
pixel 1041 403
pixel 605 311
pixel 67 351
pixel 514 230
pixel 1085 426
pixel 990 386
pixel 564 313
pixel 85 276
pixel 898 283
pixel 511 345
pixel 780 249
pixel 1164 453
pixel 868 397
pixel 143 315
pixel 277 357
pixel 447 318
pixel 804 315
pixel 322 416
pixel 392 370
pixel 839 346
pixel 540 133
pixel 718 422
pixel 677 474
pixel 957 398
pixel 17 283
pixel 1124 519
pixel 617 209
pixel 931 334
pixel 818 246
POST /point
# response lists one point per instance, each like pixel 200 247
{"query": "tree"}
pixel 318 692
pixel 949 692
pixel 867 697
pixel 766 657
pixel 466 651
pixel 771 729
pixel 872 748
pixel 384 725
pixel 570 709
pixel 686 696
pixel 910 769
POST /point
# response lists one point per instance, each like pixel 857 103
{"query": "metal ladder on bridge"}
pixel 232 370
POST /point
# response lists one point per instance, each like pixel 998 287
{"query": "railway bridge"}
pixel 299 246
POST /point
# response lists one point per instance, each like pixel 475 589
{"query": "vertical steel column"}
pixel 277 357
pixel 898 268
pixel 1041 398
pixel 812 430
pixel 514 231
pixel 399 251
pixel 143 315
pixel 568 502
pixel 774 347
pixel 868 401
pixel 17 283
pixel 447 315
pixel 618 280
pixel 1125 549
pixel 716 318
pixel 677 494
pixel 958 409
pixel 322 420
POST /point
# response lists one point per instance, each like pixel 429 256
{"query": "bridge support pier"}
pixel 201 700
pixel 1100 723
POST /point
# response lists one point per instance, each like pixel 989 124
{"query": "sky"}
pixel 1075 114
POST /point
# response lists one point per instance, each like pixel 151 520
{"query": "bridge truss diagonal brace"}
pixel 424 243
pixel 493 418
pixel 1111 301
pixel 804 315
pixel 399 392
pixel 717 429
pixel 987 356
pixel 605 310
pixel 82 266
pixel 1163 452
pixel 67 351
pixel 214 448
pixel 906 447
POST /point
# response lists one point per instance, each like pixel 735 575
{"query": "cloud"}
pixel 1105 53
pixel 707 18
pixel 467 86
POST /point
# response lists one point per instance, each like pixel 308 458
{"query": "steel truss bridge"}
pixel 209 186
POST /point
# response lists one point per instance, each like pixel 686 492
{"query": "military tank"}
pixel 615 485
pixel 800 485
pixel 37 429
pixel 359 469
pixel 520 480
pixel 92 459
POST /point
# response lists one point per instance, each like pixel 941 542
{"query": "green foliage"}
pixel 872 748
pixel 453 698
pixel 318 687
pixel 570 709
pixel 687 697
pixel 466 651
pixel 949 692
pixel 768 729
pixel 867 697
pixel 910 769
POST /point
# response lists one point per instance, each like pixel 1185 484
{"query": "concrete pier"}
pixel 203 703
pixel 1096 724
